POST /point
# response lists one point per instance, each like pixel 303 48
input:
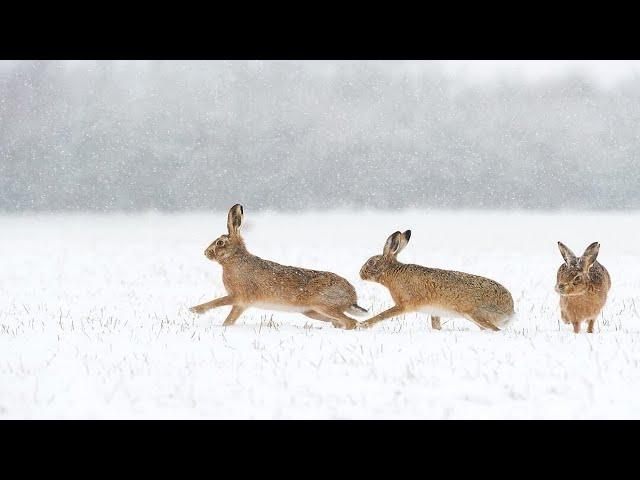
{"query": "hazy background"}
pixel 172 135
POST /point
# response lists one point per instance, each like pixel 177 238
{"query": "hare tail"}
pixel 357 310
pixel 506 320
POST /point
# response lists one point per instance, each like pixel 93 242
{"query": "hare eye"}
pixel 219 243
pixel 576 279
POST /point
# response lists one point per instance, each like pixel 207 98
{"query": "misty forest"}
pixel 167 135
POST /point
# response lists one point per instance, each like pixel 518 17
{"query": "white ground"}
pixel 94 321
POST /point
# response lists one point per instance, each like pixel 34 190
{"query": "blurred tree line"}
pixel 175 135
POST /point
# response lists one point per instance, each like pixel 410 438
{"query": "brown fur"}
pixel 252 281
pixel 583 285
pixel 414 288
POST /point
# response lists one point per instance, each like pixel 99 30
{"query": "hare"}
pixel 253 282
pixel 437 292
pixel 583 284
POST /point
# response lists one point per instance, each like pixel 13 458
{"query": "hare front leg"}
pixel 576 327
pixel 435 323
pixel 235 312
pixel 218 302
pixel 392 312
pixel 590 325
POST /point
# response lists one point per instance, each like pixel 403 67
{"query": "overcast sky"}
pixel 607 73
pixel 319 134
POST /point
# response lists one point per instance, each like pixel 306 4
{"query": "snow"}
pixel 94 320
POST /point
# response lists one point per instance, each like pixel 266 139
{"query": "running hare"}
pixel 434 291
pixel 254 282
pixel 583 285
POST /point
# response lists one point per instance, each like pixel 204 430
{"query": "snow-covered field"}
pixel 94 321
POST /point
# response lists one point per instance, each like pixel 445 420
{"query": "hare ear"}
pixel 396 242
pixel 589 256
pixel 404 239
pixel 234 220
pixel 567 254
pixel 392 246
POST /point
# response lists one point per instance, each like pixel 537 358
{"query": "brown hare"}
pixel 583 284
pixel 253 282
pixel 437 292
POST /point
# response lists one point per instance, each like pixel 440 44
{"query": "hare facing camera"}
pixel 583 285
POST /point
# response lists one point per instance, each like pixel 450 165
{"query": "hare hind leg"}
pixel 338 318
pixel 483 320
pixel 317 316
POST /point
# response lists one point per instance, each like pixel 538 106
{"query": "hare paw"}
pixel 350 325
